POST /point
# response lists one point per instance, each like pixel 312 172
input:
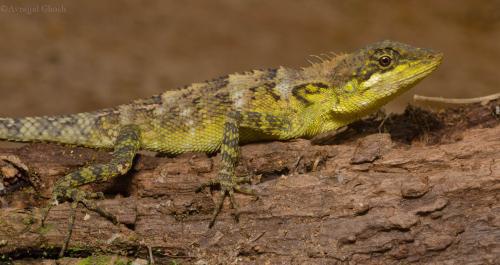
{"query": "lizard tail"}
pixel 79 129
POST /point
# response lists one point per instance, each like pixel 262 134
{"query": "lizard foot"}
pixel 228 186
pixel 77 196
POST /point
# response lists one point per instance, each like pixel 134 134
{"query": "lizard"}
pixel 223 113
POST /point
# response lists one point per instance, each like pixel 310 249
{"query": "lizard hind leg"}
pixel 126 147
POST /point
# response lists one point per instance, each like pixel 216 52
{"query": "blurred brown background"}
pixel 61 57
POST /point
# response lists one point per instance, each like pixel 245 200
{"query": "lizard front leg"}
pixel 227 180
pixel 126 146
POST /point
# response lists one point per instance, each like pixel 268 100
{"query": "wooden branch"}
pixel 369 200
pixel 484 99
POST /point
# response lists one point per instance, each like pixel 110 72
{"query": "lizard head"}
pixel 374 75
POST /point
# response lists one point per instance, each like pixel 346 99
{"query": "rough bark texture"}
pixel 426 192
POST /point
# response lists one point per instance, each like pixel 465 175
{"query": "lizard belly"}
pixel 189 139
pixel 207 139
pixel 248 135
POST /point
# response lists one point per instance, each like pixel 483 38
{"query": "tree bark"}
pixel 427 194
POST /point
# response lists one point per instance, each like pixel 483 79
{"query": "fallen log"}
pixel 422 187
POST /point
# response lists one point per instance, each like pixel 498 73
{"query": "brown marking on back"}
pixel 223 97
pixel 272 73
pixel 269 88
pixel 219 82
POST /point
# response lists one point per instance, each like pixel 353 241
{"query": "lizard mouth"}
pixel 425 69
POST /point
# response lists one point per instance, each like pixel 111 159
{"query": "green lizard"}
pixel 221 114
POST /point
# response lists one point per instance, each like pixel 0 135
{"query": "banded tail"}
pixel 85 129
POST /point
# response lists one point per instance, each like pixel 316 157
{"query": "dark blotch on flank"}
pixel 320 85
pixel 255 118
pixel 223 97
pixel 196 100
pixel 269 87
pixel 296 93
pixel 303 88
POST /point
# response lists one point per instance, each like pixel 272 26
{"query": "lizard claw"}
pixel 77 196
pixel 227 188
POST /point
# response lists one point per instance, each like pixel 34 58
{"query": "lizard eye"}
pixel 384 61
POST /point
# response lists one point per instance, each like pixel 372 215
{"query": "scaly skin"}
pixel 221 114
